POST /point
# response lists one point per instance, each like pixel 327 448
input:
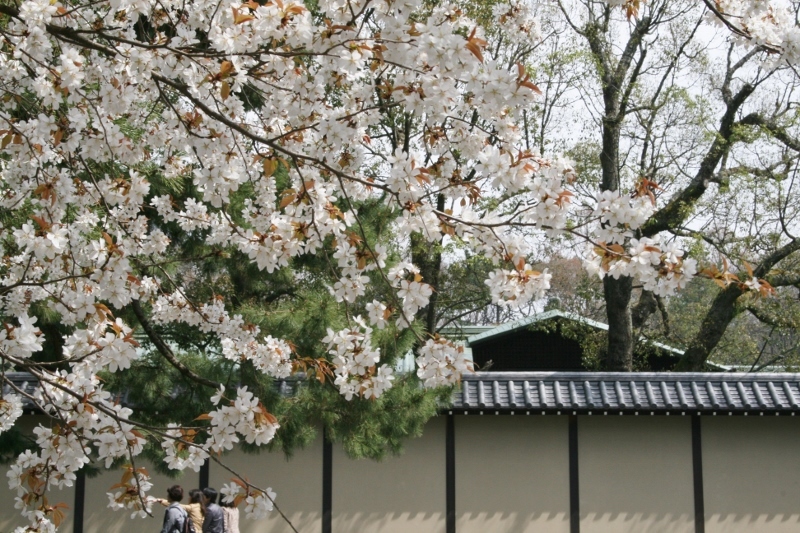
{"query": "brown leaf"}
pixel 475 49
pixel 288 198
pixel 476 45
pixel 43 224
pixel 270 166
pixel 240 18
pixel 103 312
pixel 225 91
pixel 617 248
pixel 532 86
pixel 225 69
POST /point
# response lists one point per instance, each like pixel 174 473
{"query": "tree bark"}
pixel 645 307
pixel 620 326
pixel 619 355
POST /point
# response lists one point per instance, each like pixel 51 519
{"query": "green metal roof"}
pixel 549 315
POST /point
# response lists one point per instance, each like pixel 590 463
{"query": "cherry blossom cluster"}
pixel 413 292
pixel 180 451
pixel 356 362
pixel 240 341
pixel 660 267
pixel 23 340
pixel 131 494
pixel 10 410
pixel 61 454
pixel 768 23
pixel 258 503
pixel 620 215
pixel 515 288
pixel 441 362
pixel 518 20
pixel 94 418
pixel 245 415
pixel 354 261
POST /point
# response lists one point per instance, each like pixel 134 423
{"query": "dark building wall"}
pixel 551 349
pixel 529 350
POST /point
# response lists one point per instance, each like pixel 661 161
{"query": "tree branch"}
pixel 165 350
pixel 680 206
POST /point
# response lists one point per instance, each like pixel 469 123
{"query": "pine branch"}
pixel 166 351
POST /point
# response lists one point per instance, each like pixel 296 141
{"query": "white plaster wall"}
pixel 402 494
pixel 751 474
pixel 297 482
pixel 512 474
pixel 635 474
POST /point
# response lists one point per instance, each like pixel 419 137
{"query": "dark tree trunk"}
pixel 620 328
pixel 619 353
pixel 427 256
pixel 616 92
pixel 644 309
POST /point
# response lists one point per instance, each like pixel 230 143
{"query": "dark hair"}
pixel 211 494
pixel 195 496
pixel 175 493
pixel 223 503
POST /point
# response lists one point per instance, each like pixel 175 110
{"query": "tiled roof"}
pixel 628 392
pixel 583 392
pixel 22 381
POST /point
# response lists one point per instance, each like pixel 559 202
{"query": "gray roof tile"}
pixel 628 392
pixel 21 381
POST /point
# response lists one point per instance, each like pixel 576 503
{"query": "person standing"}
pixel 175 515
pixel 195 509
pixel 231 513
pixel 214 520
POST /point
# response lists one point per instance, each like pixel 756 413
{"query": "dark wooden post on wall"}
pixel 80 498
pixel 450 475
pixel 327 484
pixel 697 472
pixel 574 488
pixel 205 474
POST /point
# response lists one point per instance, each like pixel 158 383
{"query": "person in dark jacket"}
pixel 214 521
pixel 174 516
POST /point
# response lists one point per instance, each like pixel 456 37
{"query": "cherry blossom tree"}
pixel 285 122
pixel 668 108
